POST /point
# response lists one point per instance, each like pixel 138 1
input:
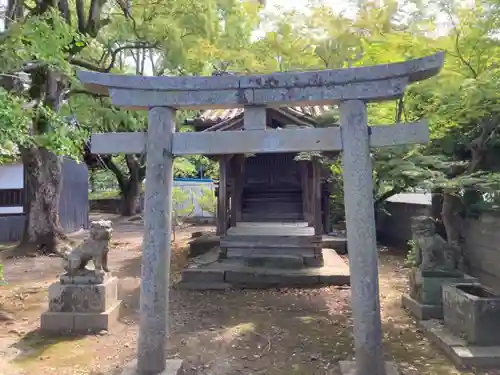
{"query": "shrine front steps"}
pixel 273 245
pixel 274 251
pixel 207 272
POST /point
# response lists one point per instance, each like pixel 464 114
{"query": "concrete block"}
pixel 93 298
pixel 349 368
pixel 173 367
pixel 419 310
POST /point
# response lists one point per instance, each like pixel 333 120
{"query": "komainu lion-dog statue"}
pixel 95 248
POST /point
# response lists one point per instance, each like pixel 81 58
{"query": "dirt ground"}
pixel 273 332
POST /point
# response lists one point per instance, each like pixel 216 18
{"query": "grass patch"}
pixel 104 194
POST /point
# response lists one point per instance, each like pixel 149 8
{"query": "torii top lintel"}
pixel 374 83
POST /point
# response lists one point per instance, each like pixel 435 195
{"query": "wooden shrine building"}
pixel 272 204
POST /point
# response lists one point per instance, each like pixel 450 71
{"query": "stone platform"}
pixel 81 308
pixel 460 353
pixel 209 272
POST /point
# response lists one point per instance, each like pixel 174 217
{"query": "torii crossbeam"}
pixel 350 88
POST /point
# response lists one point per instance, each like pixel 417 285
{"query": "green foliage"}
pixel 41 39
pixel 182 204
pixel 182 207
pixel 411 256
pixel 207 201
pixel 110 194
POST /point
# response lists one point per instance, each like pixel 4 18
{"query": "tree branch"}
pixel 110 164
pixel 73 92
pixel 114 54
pixel 457 44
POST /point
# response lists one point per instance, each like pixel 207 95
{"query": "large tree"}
pixel 43 43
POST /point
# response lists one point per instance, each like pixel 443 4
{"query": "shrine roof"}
pixel 217 118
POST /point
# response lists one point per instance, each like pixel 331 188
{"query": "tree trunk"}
pixel 43 169
pixel 452 217
pixel 436 211
pixel 42 230
pixel 130 199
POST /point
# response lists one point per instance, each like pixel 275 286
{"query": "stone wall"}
pixel 393 226
pixel 482 250
pixel 482 236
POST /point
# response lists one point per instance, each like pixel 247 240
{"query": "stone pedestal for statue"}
pixel 84 300
pixel 436 265
pixel 425 301
pixel 82 308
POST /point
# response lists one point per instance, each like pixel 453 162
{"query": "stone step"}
pixel 271 216
pixel 247 252
pixel 272 203
pixel 276 198
pixel 276 224
pixel 203 285
pixel 275 261
pixel 271 230
pixel 272 241
pixel 288 258
pixel 236 273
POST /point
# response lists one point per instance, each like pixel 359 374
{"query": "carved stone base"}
pixel 81 308
pixel 90 277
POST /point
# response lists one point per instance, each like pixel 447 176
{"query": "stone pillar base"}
pixel 173 367
pixel 349 368
pixel 81 308
pixel 421 311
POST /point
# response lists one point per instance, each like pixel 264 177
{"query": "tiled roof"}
pixel 213 116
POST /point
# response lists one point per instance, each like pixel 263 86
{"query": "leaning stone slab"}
pixel 173 367
pixel 349 368
pixel 462 355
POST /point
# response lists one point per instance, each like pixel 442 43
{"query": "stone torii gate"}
pixel 350 88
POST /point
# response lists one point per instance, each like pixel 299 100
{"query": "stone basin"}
pixel 472 312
